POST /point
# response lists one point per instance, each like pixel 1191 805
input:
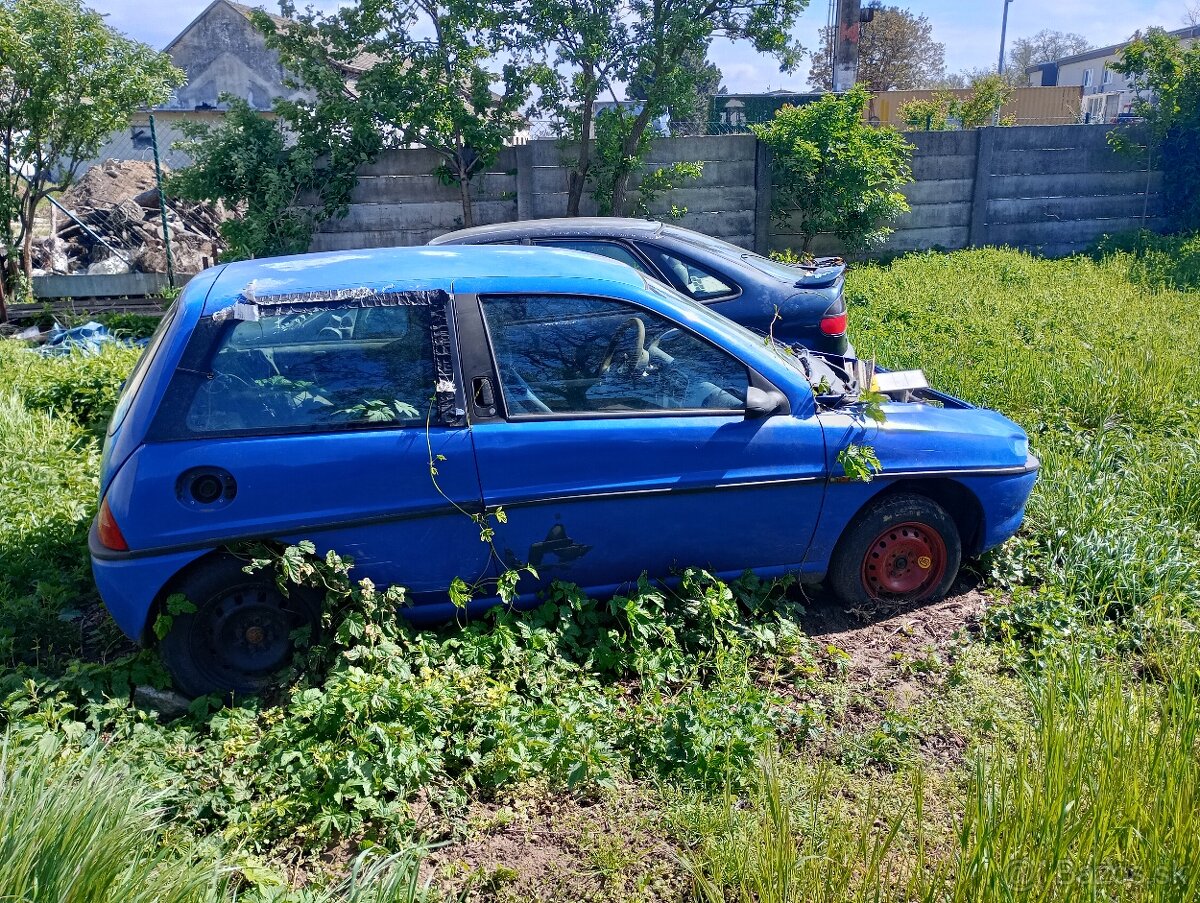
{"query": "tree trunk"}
pixel 464 190
pixel 27 218
pixel 583 162
pixel 628 150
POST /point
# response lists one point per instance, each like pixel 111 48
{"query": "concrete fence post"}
pixel 977 236
pixel 762 198
pixel 525 199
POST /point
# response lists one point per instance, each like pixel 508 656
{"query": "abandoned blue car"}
pixel 623 429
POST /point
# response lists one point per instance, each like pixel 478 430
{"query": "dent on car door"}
pixel 618 443
pixel 321 418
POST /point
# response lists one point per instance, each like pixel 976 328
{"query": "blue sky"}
pixel 970 29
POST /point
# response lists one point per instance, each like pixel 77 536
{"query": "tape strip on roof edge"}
pixel 252 307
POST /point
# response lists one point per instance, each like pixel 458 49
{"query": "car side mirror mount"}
pixel 763 399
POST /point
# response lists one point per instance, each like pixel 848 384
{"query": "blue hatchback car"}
pixel 623 428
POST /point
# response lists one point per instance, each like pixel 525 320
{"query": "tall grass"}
pixel 79 830
pixel 1099 801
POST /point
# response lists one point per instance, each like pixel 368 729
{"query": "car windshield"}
pixel 783 271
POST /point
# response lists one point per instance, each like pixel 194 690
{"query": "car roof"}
pixel 411 269
pixel 561 227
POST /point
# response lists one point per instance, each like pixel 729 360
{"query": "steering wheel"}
pixel 639 357
pixel 666 335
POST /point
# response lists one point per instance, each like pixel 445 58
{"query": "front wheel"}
pixel 900 549
pixel 239 636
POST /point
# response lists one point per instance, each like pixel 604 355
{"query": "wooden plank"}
pixel 114 286
pixel 1037 210
pixel 1064 160
pixel 1092 184
pixel 78 307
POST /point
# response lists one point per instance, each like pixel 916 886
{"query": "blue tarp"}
pixel 87 339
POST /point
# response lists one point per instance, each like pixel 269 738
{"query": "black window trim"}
pixel 753 377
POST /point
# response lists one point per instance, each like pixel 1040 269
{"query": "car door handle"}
pixel 485 396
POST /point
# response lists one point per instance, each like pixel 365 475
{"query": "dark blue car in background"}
pixel 802 303
pixel 623 428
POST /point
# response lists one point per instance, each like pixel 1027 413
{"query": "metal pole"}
pixel 845 44
pixel 1000 65
pixel 1003 32
pixel 162 205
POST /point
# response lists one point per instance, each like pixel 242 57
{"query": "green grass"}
pixel 1053 756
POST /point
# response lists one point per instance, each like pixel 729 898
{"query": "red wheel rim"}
pixel 906 562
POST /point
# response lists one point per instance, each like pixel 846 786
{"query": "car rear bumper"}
pixel 130 586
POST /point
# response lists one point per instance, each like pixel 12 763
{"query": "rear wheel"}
pixel 239 636
pixel 902 548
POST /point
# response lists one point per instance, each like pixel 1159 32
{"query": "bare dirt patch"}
pixel 880 641
pixel 559 848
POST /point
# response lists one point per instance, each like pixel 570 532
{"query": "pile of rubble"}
pixel 117 226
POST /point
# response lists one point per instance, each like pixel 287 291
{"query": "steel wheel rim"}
pixel 246 633
pixel 906 562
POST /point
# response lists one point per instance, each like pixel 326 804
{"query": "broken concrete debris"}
pixel 117 226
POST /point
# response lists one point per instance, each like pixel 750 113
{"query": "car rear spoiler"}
pixel 823 271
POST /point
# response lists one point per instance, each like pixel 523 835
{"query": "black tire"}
pixel 881 556
pixel 238 639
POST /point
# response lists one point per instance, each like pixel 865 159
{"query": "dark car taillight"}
pixel 107 530
pixel 835 324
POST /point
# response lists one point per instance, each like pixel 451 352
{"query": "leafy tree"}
pixel 589 43
pixel 1166 77
pixel 666 36
pixel 833 173
pixel 656 46
pixel 246 163
pixel 1042 47
pixel 421 72
pixel 896 51
pixel 690 115
pixel 67 82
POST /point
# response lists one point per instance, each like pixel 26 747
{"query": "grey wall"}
pixel 1052 189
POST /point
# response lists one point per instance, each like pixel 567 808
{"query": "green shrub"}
pixel 835 174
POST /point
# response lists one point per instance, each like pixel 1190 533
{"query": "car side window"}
pixel 561 355
pixel 689 277
pixel 609 249
pixel 330 369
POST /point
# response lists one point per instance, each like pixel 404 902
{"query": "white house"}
pixel 1106 94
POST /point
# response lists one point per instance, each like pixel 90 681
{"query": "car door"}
pixel 321 421
pixel 617 443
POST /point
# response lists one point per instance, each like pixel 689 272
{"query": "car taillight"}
pixel 108 532
pixel 835 324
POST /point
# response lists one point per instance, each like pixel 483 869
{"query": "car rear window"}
pixel 318 370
